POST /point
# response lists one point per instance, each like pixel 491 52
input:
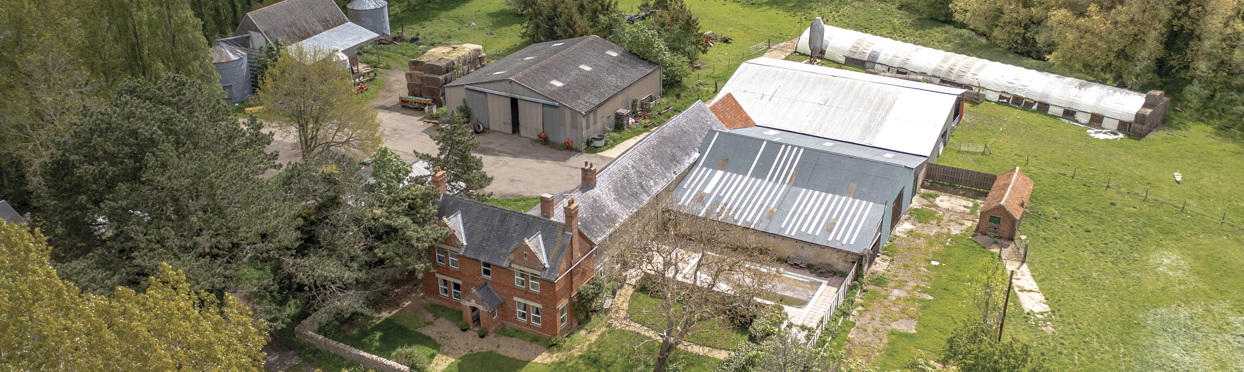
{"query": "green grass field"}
pixel 521 204
pixel 614 351
pixel 1133 283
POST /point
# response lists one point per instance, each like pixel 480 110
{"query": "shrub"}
pixel 411 357
pixel 482 332
pixel 557 341
pixel 462 325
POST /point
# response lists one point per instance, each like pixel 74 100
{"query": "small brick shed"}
pixel 1005 205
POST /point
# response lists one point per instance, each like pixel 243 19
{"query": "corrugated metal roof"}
pixel 295 20
pixel 489 233
pixel 802 193
pixel 554 70
pixel 835 147
pixel 1045 87
pixel 366 4
pixel 636 176
pixel 345 36
pixel 9 214
pixel 870 110
pixel 226 53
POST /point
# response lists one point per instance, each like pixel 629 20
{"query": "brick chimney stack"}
pixel 572 225
pixel 440 179
pixel 546 205
pixel 589 176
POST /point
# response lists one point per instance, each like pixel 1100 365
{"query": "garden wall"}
pixel 305 332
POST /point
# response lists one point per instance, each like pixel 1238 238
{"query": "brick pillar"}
pixel 589 176
pixel 440 179
pixel 546 205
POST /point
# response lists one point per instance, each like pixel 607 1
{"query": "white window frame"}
pixel 456 290
pixel 440 256
pixel 485 270
pixel 453 259
pixel 443 286
pixel 562 315
pixel 533 282
pixel 520 279
pixel 521 311
pixel 536 317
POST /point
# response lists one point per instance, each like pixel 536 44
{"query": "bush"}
pixel 482 332
pixel 557 341
pixel 412 357
pixel 591 296
pixel 462 325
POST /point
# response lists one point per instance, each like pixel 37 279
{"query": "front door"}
pixel 514 115
pixel 474 317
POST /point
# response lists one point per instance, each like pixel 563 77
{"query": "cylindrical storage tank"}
pixel 340 59
pixel 371 14
pixel 230 63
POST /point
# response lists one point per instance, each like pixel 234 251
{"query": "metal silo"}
pixel 230 63
pixel 371 14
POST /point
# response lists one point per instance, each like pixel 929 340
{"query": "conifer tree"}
pixel 454 145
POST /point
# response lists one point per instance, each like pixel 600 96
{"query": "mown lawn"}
pixel 392 333
pixel 1134 284
pixel 521 204
pixel 615 350
pixel 645 310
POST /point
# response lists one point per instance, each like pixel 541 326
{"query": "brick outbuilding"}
pixel 1004 207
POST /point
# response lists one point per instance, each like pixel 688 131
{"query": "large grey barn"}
pixel 312 23
pixel 568 89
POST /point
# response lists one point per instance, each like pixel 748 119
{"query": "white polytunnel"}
pixel 1084 101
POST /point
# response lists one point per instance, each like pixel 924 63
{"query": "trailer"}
pixel 413 102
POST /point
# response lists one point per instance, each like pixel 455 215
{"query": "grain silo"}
pixel 371 14
pixel 230 63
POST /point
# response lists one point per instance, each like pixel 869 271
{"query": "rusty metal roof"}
pixel 226 53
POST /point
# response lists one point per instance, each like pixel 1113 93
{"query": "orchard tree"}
pixel 315 95
pixel 454 145
pixel 162 173
pixel 686 261
pixel 50 325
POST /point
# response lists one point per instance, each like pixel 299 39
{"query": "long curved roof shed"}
pixel 1084 101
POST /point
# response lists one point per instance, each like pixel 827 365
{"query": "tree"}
pixel 162 173
pixel 1123 45
pixel 686 265
pixel 43 88
pixel 643 39
pixel 974 345
pixel 1012 24
pixel 314 93
pixel 454 145
pixel 50 325
pixel 143 39
pixel 355 241
pixel 564 19
pixel 389 171
pixel 678 27
pixel 221 17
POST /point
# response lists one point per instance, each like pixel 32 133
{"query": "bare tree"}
pixel 699 270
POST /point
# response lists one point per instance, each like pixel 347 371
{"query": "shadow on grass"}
pixel 388 335
pixel 492 362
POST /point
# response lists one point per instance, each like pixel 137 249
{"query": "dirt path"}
pixel 906 274
pixel 394 86
pixel 782 50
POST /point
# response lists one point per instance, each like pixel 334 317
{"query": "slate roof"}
pixel 805 193
pixel 488 296
pixel 294 20
pixel 832 103
pixel 1011 191
pixel 489 233
pixel 9 214
pixel 366 4
pixel 639 173
pixel 589 69
pixel 731 114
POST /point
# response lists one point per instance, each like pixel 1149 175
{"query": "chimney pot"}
pixel 589 176
pixel 546 205
pixel 440 179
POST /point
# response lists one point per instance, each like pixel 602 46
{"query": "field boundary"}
pixel 959 176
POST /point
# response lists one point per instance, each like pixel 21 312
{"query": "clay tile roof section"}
pixel 1011 191
pixel 731 114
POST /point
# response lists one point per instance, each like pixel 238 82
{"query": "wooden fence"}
pixel 838 298
pixel 959 176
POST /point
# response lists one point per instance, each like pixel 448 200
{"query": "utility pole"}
pixel 1006 303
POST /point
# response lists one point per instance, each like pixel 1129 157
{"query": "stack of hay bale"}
pixel 439 66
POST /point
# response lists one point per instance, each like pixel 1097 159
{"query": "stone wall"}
pixel 305 332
